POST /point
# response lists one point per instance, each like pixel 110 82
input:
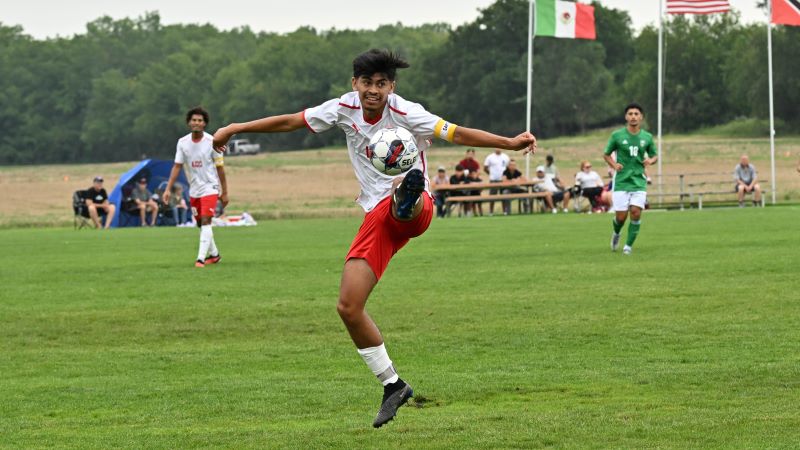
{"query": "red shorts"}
pixel 381 235
pixel 203 206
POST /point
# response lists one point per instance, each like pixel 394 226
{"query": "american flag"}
pixel 697 6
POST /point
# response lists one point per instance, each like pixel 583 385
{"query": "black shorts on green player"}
pixel 630 183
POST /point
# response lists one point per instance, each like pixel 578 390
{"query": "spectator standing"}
pixel 590 183
pixel 469 163
pixel 554 194
pixel 96 199
pixel 439 196
pixel 512 174
pixel 551 169
pixel 746 181
pixel 144 201
pixel 494 165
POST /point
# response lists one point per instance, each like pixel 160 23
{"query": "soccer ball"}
pixel 393 151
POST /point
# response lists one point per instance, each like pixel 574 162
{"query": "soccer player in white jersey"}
pixel 208 183
pixel 397 208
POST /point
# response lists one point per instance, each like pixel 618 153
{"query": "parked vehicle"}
pixel 242 147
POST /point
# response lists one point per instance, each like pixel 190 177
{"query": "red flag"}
pixel 786 12
pixel 697 6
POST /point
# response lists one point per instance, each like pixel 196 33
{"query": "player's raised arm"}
pixel 273 124
pixel 472 137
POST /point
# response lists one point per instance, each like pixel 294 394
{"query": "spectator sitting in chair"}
pixel 554 194
pixel 144 201
pixel 96 199
pixel 746 181
pixel 177 204
pixel 590 183
pixel 513 174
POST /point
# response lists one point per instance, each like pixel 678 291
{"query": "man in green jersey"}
pixel 635 151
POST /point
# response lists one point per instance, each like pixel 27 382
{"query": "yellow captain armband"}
pixel 218 162
pixel 445 130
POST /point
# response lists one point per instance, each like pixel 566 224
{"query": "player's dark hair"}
pixel 375 61
pixel 197 110
pixel 459 167
pixel 634 105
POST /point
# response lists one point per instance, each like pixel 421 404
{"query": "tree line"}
pixel 119 90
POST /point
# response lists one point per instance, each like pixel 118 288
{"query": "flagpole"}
pixel 771 106
pixel 660 91
pixel 530 83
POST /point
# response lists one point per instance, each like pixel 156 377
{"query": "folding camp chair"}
pixel 80 210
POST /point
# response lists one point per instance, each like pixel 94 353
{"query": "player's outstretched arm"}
pixel 472 137
pixel 273 124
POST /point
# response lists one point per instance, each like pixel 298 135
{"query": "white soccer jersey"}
pixel 201 162
pixel 347 114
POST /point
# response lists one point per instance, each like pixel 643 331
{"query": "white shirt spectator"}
pixel 548 184
pixel 588 180
pixel 497 165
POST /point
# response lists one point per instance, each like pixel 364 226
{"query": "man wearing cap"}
pixel 548 186
pixel 144 201
pixel 439 196
pixel 96 199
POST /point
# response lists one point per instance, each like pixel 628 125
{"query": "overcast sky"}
pixel 49 18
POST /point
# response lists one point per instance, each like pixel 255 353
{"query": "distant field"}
pixel 320 183
pixel 516 332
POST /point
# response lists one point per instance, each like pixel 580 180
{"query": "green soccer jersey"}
pixel 632 149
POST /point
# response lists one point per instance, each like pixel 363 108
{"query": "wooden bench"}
pixel 492 198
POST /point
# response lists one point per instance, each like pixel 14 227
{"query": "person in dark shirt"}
pixel 97 203
pixel 513 174
pixel 459 177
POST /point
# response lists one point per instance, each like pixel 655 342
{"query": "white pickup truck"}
pixel 242 147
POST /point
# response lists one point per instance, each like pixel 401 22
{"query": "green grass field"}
pixel 516 332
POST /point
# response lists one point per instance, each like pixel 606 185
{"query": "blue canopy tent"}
pixel 157 174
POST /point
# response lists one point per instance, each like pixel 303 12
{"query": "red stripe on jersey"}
pixel 349 106
pixel 397 111
pixel 373 121
pixel 309 126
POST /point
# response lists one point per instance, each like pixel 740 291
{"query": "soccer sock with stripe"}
pixel 206 236
pixel 617 226
pixel 633 231
pixel 378 361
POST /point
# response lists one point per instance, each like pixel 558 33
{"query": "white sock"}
pixel 212 248
pixel 206 236
pixel 379 363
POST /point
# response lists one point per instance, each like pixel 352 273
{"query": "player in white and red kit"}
pixel 208 183
pixel 397 208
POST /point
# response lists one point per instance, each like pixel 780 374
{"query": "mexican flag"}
pixel 569 20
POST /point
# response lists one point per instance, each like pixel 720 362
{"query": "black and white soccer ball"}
pixel 393 151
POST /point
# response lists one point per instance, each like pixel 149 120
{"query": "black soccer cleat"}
pixel 407 194
pixel 395 395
